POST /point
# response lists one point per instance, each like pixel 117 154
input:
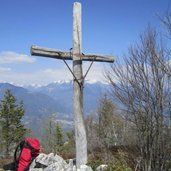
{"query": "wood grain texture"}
pixel 58 54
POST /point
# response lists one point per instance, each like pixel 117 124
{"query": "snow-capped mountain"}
pixel 41 102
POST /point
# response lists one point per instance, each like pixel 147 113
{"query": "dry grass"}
pixel 4 162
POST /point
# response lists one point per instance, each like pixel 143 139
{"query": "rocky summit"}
pixel 53 162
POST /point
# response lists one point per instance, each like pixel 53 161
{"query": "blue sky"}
pixel 108 27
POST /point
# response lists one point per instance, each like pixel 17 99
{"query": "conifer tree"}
pixel 54 136
pixel 58 135
pixel 12 130
pixel 110 124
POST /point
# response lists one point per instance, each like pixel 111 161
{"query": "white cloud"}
pixel 96 73
pixel 12 57
pixel 5 69
pixel 46 76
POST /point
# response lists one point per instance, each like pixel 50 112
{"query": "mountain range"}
pixel 41 102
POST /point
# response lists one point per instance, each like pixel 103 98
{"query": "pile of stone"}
pixel 53 162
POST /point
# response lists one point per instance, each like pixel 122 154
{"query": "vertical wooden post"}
pixel 80 132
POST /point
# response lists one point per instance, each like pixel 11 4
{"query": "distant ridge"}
pixel 40 102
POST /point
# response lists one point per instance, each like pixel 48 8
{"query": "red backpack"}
pixel 29 150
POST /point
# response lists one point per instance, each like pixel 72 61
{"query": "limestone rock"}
pixel 35 169
pixel 85 168
pixel 102 167
pixel 53 162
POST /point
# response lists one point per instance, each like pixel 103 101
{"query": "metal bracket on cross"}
pixel 58 54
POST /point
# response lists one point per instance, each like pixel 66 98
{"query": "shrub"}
pixel 118 167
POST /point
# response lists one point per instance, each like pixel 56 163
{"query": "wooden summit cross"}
pixel 78 79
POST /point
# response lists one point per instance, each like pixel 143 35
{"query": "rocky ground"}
pixel 51 162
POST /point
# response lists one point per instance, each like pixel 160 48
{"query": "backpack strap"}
pixel 16 159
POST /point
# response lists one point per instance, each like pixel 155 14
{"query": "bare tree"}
pixel 53 139
pixel 166 22
pixel 110 123
pixel 105 131
pixel 142 87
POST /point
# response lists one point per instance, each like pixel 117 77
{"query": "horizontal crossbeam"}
pixel 57 54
